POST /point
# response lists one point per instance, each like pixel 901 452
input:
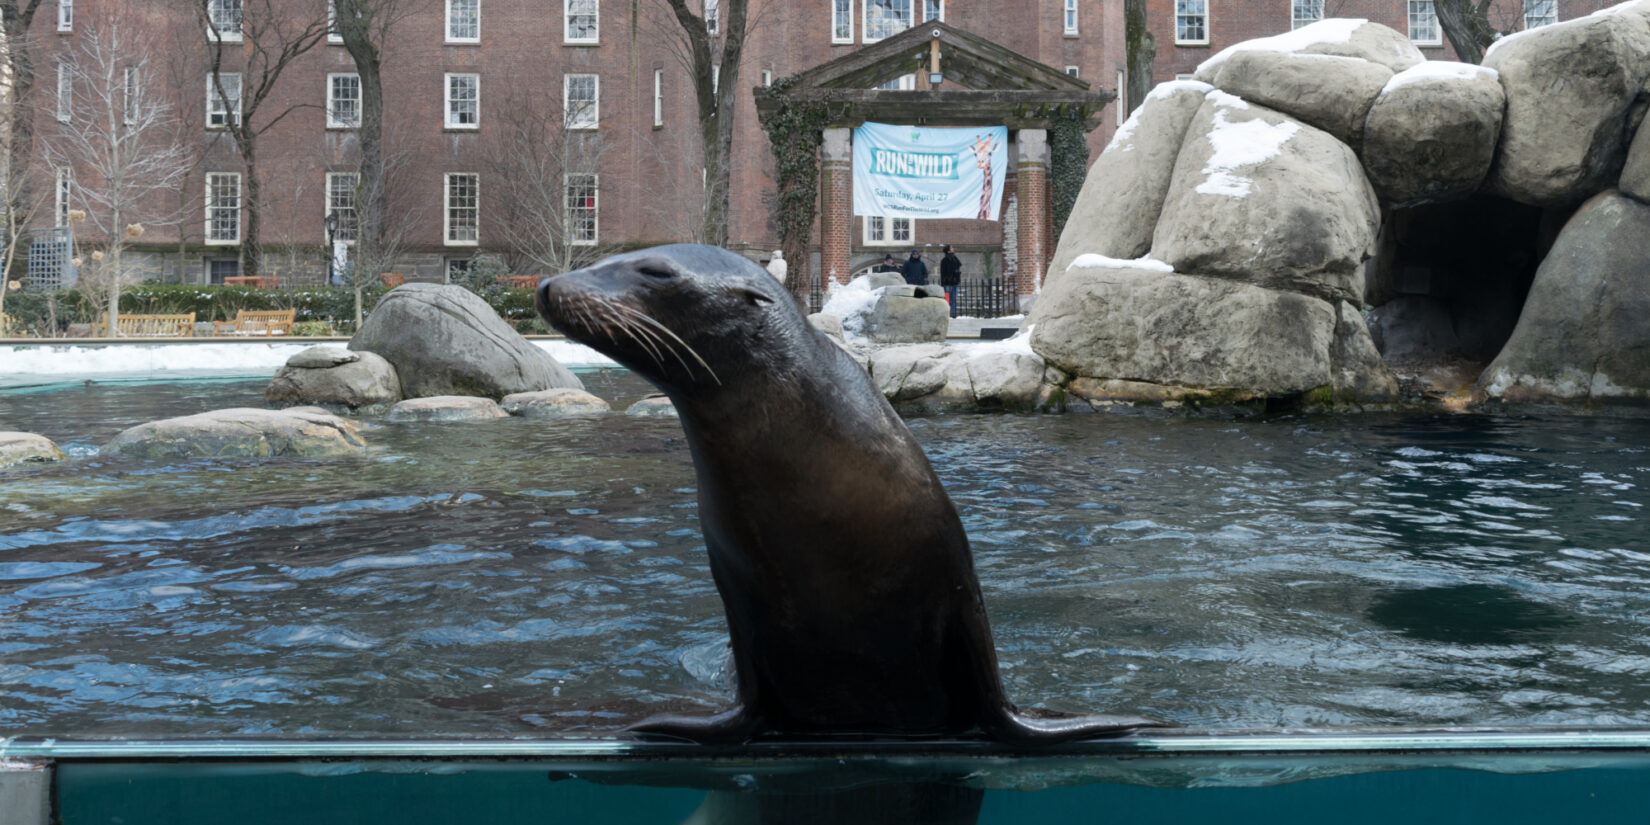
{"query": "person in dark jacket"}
pixel 888 264
pixel 914 270
pixel 950 277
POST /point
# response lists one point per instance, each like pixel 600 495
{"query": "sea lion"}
pixel 849 587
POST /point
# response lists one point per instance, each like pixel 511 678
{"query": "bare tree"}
pixel 715 77
pixel 16 20
pixel 391 204
pixel 17 213
pixel 544 188
pixel 261 38
pixel 120 140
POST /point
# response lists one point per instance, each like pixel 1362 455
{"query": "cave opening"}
pixel 1449 279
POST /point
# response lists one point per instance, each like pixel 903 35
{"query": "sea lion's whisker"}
pixel 642 316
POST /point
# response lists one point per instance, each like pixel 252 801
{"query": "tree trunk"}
pixel 113 273
pixel 1467 26
pixel 1142 53
pixel 250 250
pixel 16 19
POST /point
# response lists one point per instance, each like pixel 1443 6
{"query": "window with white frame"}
pixel 65 90
pixel 903 83
pixel 341 188
pixel 881 231
pixel 886 18
pixel 223 109
pixel 1191 21
pixel 462 216
pixel 842 21
pixel 1073 71
pixel 584 21
pixel 463 21
pixel 713 16
pixel 463 101
pixel 767 77
pixel 343 101
pixel 581 210
pixel 658 98
pixel 225 18
pixel 1071 16
pixel 131 98
pixel 933 10
pixel 580 101
pixel 332 23
pixel 1538 13
pixel 1120 106
pixel 1423 23
pixel 65 15
pixel 1304 13
pixel 64 191
pixel 223 207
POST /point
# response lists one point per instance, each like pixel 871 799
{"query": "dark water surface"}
pixel 531 578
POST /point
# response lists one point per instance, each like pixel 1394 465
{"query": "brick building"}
pixel 470 87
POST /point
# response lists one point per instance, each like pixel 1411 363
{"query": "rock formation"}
pixel 443 340
pixel 240 432
pixel 334 375
pixel 19 448
pixel 1234 235
pixel 557 403
pixel 445 408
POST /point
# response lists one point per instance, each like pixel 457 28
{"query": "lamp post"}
pixel 332 229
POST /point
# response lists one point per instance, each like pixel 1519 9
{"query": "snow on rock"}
pixel 1093 261
pixel 1120 140
pixel 1439 70
pixel 1332 30
pixel 1239 145
pixel 853 304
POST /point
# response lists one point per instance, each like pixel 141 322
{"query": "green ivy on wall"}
pixel 795 129
pixel 1068 164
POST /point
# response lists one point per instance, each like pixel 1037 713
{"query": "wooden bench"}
pixel 392 279
pixel 151 326
pixel 522 281
pixel 257 322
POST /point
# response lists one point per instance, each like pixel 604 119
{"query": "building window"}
pixel 343 101
pixel 767 77
pixel 64 191
pixel 1071 17
pixel 463 213
pixel 1121 106
pixel 221 110
pixel 131 100
pixel 65 15
pixel 713 16
pixel 584 21
pixel 1072 70
pixel 457 268
pixel 218 269
pixel 581 210
pixel 886 18
pixel 903 83
pixel 658 98
pixel 933 9
pixel 1423 23
pixel 842 21
pixel 65 90
pixel 580 101
pixel 1538 13
pixel 1304 12
pixel 463 101
pixel 332 23
pixel 463 21
pixel 223 207
pixel 715 78
pixel 225 19
pixel 881 231
pixel 1191 21
pixel 341 188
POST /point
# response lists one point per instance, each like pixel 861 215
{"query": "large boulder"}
pixel 444 340
pixel 18 448
pixel 1144 325
pixel 1259 197
pixel 1004 374
pixel 1570 89
pixel 241 432
pixel 1118 206
pixel 1359 374
pixel 1330 92
pixel 1583 334
pixel 908 314
pixel 334 375
pixel 1431 133
pixel 1336 36
pixel 557 403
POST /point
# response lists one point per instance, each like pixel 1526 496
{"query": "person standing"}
pixel 951 277
pixel 888 264
pixel 777 266
pixel 914 270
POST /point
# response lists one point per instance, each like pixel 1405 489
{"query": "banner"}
pixel 929 172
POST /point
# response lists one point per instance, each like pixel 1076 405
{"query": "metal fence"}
pixel 50 264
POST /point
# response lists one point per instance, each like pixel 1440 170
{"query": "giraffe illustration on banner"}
pixel 983 147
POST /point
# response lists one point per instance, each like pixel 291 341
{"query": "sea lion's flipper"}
pixel 731 726
pixel 1006 725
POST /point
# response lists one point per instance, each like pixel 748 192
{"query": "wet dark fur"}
pixel 847 579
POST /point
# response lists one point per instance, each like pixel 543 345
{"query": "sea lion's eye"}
pixel 756 299
pixel 656 271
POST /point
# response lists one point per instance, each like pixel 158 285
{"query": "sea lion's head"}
pixel 684 316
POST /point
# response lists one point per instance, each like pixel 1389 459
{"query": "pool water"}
pixel 532 578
